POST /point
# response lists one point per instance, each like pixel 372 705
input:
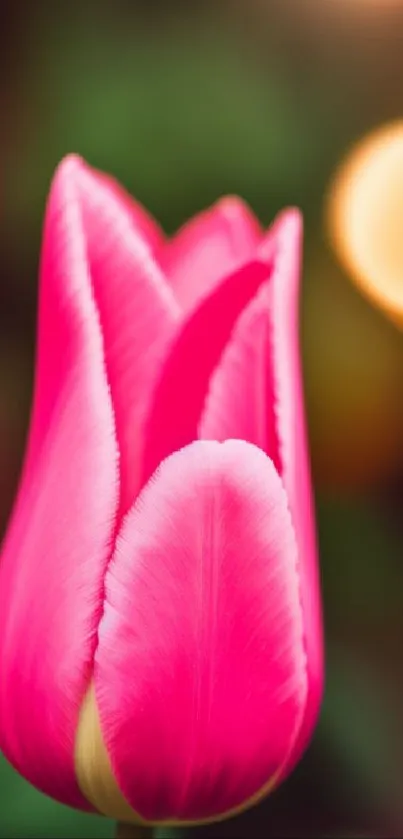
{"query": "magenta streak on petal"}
pixel 59 542
pixel 240 401
pixel 209 247
pixel 202 685
pixel 289 405
pixel 181 391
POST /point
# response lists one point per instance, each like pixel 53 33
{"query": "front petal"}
pixel 200 671
pixel 211 245
pixel 59 541
pixel 179 396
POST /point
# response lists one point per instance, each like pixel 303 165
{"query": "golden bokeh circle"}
pixel 364 217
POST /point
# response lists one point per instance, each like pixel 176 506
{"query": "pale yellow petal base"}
pixel 93 769
pixel 99 786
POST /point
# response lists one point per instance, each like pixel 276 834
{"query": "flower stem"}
pixel 133 831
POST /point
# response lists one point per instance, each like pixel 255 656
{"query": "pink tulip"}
pixel 160 627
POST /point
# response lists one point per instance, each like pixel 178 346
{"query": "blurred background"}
pixel 271 99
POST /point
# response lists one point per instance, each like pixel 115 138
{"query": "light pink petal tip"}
pixel 208 247
pixel 202 687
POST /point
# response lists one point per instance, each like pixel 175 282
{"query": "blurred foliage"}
pixel 362 565
pixel 178 120
pixel 185 102
pixel 26 813
pixel 354 371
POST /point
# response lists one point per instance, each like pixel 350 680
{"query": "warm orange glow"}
pixel 365 217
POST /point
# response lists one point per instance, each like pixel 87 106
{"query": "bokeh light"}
pixel 365 217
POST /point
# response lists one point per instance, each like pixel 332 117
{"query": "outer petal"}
pixel 56 551
pixel 181 390
pixel 213 244
pixel 256 395
pixel 294 457
pixel 137 310
pixel 200 672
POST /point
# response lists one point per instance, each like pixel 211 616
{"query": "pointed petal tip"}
pixel 74 167
pixel 232 204
pixel 70 164
pixel 290 222
pixel 285 233
pixel 235 210
pixel 71 172
pixel 212 244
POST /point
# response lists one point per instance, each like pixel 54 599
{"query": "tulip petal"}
pixel 256 395
pixel 143 222
pixel 211 245
pixel 59 541
pixel 179 397
pixel 241 401
pixel 200 672
pixel 293 448
pixel 137 311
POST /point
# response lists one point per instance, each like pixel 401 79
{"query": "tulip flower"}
pixel 160 626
